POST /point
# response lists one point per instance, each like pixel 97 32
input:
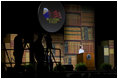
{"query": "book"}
pixel 57 38
pixel 106 59
pixel 72 33
pixel 7 38
pixel 111 50
pixel 57 59
pixel 73 19
pixel 88 46
pixel 12 36
pixel 111 60
pixel 72 8
pixel 87 19
pixel 85 8
pixel 57 52
pixel 86 33
pixel 106 51
pixel 71 59
pixel 73 47
pixel 66 47
pixel 106 54
pixel 90 34
pixel 111 43
pixel 7 45
pixel 83 35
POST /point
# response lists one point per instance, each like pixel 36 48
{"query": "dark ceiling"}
pixel 21 16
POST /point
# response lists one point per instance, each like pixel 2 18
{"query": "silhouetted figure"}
pixel 48 48
pixel 28 38
pixel 18 50
pixel 48 41
pixel 38 50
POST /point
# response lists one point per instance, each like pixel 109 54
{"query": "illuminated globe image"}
pixel 51 16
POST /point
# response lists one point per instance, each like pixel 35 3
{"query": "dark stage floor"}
pixel 66 74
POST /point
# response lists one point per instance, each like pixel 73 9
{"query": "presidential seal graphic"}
pixel 51 15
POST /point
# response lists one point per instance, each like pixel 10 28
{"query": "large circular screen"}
pixel 51 15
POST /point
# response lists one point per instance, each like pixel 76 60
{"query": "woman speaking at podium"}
pixel 81 49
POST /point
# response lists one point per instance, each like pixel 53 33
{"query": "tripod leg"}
pixel 7 54
pixel 51 63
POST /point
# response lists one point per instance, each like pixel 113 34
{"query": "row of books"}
pixel 87 15
pixel 72 33
pixel 57 59
pixel 71 60
pixel 85 8
pixel 7 38
pixel 87 19
pixel 73 19
pixel 109 52
pixel 87 33
pixel 106 54
pixel 88 46
pixel 84 18
pixel 111 60
pixel 67 60
pixel 84 33
pixel 74 8
pixel 71 8
pixel 57 52
pixel 84 21
pixel 111 44
pixel 12 37
pixel 72 47
pixel 57 37
pixel 26 56
pixel 72 37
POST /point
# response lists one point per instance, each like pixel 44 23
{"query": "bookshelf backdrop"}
pixel 78 30
pixel 108 46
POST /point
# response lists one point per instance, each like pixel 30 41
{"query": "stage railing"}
pixel 9 59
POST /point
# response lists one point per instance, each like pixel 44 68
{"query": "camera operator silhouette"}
pixel 48 49
pixel 38 51
pixel 18 50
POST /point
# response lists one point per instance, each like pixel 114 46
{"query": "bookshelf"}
pixel 79 30
pixel 108 50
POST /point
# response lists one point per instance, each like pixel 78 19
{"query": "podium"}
pixel 88 59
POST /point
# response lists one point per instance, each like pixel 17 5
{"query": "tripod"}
pixel 49 58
